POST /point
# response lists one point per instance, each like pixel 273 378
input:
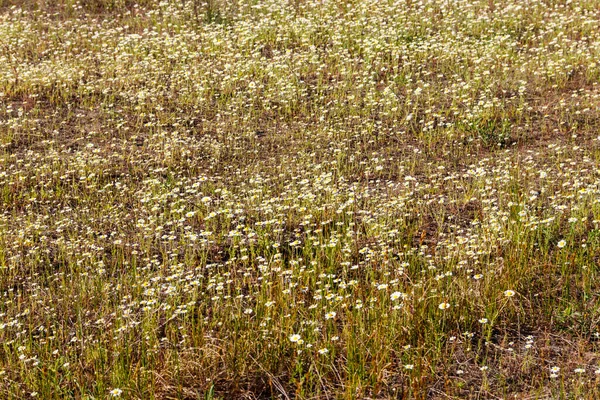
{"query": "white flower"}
pixel 396 295
pixel 116 392
pixel 509 293
pixel 323 351
pixel 409 366
pixel 444 306
pixel 483 321
pixel 561 244
pixel 330 315
pixel 295 338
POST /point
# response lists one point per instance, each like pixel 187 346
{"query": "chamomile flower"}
pixel 295 338
pixel 395 296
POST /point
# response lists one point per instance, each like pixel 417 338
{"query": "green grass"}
pixel 299 200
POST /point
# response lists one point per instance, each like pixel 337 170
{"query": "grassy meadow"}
pixel 300 199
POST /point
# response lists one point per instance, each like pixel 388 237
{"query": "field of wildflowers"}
pixel 300 199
